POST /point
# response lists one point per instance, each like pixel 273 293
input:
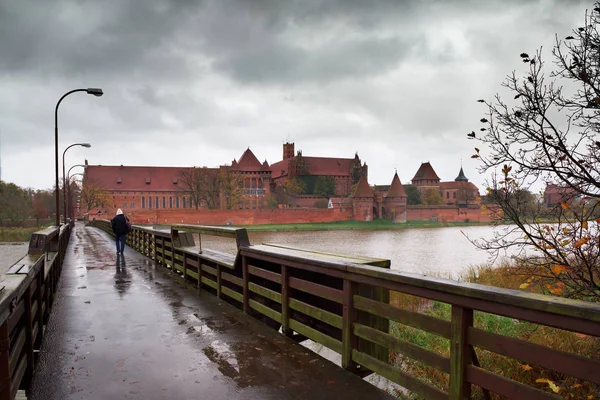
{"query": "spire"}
pixel 396 189
pixel 362 188
pixel 461 176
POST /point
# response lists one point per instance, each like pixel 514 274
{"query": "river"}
pixel 443 252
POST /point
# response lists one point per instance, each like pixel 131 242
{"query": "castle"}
pixel 297 181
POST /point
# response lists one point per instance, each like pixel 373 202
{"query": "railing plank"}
pixel 403 347
pixel 232 293
pixel 315 312
pixel 413 319
pixel 316 336
pixel 261 308
pixel 504 386
pixel 233 279
pixel 263 273
pixel 323 291
pixel 559 361
pixel 268 293
pixel 395 375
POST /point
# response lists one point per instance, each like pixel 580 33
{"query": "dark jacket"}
pixel 119 224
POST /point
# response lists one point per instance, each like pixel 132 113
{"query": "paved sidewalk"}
pixel 122 328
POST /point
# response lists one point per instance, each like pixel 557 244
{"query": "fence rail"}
pixel 25 303
pixel 317 296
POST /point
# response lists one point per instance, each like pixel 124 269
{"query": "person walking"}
pixel 120 226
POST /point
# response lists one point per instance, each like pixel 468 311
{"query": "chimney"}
pixel 288 150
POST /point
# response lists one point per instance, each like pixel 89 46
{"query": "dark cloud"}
pixel 196 82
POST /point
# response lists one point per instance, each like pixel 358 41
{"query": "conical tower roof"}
pixel 362 188
pixel 396 189
pixel 461 176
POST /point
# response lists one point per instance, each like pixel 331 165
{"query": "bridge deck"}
pixel 122 328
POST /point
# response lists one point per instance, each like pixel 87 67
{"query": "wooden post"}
pixel 219 281
pixel 285 301
pixel 245 291
pixel 184 262
pixel 162 245
pixel 460 353
pixel 348 318
pixel 28 337
pixel 5 388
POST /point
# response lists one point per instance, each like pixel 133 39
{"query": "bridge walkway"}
pixel 125 328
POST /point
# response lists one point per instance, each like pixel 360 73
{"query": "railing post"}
pixel 162 247
pixel 285 301
pixel 219 281
pixel 461 353
pixel 245 291
pixel 348 318
pixel 28 337
pixel 184 262
pixel 5 392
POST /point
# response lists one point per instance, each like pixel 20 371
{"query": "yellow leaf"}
pixel 577 385
pixel 523 285
pixel 558 269
pixel 556 291
pixel 542 380
pixel 590 397
pixel 564 206
pixel 581 335
pixel 526 367
pixel 584 224
pixel 553 387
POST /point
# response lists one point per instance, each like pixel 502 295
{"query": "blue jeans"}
pixel 120 239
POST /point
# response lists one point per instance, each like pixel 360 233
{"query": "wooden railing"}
pixel 25 302
pixel 317 296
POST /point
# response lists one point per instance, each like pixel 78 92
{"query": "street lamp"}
pixel 93 91
pixel 69 188
pixel 65 203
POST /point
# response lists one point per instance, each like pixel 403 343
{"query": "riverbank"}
pixel 351 225
pixel 16 234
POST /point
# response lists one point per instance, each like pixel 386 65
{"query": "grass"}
pixel 348 225
pixel 16 234
pixel 505 277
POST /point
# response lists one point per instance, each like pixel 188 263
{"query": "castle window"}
pixel 147 180
pixel 177 202
pixel 164 202
pixel 170 202
pixel 447 195
pixel 191 202
pixel 453 195
pixel 184 202
pixel 132 205
pixel 143 202
pixel 149 202
pixel 124 205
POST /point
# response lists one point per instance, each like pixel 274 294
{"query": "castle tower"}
pixel 362 201
pixel 461 176
pixel 288 150
pixel 394 202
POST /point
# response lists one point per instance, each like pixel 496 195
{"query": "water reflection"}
pixel 122 276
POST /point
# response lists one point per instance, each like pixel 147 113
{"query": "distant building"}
pixel 457 192
pixel 556 194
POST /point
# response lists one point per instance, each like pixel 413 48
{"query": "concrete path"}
pixel 124 328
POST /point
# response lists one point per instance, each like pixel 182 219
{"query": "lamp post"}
pixel 65 181
pixel 94 91
pixel 69 188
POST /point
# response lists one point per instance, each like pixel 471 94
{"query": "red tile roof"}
pixel 363 189
pixel 396 189
pixel 457 185
pixel 249 162
pixel 135 178
pixel 316 166
pixel 426 172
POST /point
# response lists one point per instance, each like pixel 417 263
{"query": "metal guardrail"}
pixel 315 295
pixel 25 303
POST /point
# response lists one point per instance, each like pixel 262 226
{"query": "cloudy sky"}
pixel 196 82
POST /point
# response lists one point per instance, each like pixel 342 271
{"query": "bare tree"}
pixel 202 185
pixel 94 194
pixel 548 132
pixel 231 186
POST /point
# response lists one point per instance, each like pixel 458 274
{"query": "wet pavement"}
pixel 125 328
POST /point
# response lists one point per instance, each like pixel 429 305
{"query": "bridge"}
pixel 171 319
